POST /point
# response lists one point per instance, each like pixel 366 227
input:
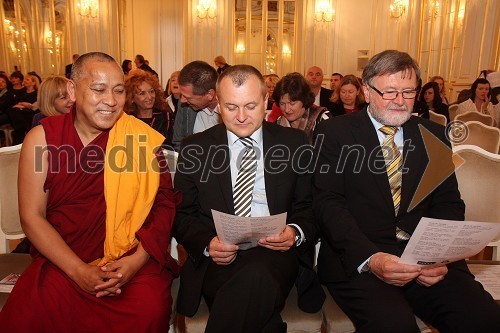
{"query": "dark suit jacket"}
pixel 204 177
pixel 324 98
pixel 352 201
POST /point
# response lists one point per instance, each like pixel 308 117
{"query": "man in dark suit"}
pixel 245 290
pixel 366 218
pixel 322 95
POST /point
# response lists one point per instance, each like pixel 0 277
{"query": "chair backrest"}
pixel 452 110
pixel 478 182
pixel 437 118
pixel 475 116
pixel 478 134
pixel 10 225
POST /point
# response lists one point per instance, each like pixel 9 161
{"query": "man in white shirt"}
pixel 198 101
pixel 314 77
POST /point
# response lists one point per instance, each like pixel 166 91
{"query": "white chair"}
pixel 478 182
pixel 481 135
pixel 9 210
pixel 437 118
pixel 475 116
pixel 452 110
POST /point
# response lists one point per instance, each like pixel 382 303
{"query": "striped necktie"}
pixel 243 189
pixel 394 166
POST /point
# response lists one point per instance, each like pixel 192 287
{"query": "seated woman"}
pixel 173 93
pixel 22 113
pixel 295 99
pixel 53 98
pixel 271 81
pixel 348 96
pixel 430 95
pixel 126 66
pixel 7 98
pixel 479 100
pixel 144 101
pixel 442 91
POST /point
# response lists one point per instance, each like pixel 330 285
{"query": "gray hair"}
pixel 390 62
pixel 78 67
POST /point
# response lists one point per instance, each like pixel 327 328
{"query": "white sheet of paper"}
pixel 489 276
pixel 246 231
pixel 437 242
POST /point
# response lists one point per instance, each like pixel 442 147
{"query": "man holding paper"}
pixel 370 166
pixel 245 167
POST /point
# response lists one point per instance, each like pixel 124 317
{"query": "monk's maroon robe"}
pixel 45 299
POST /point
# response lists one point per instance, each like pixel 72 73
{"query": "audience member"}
pixel 321 95
pixel 199 109
pixel 22 113
pixel 271 81
pixel 348 97
pixel 335 81
pixel 97 229
pixel 442 90
pixel 245 290
pixel 479 100
pixel 173 93
pixel 7 98
pixel 67 70
pixel 144 101
pixel 295 99
pixel 17 79
pixel 366 220
pixel 140 63
pixel 221 64
pixel 53 98
pixel 126 66
pixel 430 95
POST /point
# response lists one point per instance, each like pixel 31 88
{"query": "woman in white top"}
pixel 479 100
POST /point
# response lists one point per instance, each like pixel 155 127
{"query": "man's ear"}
pixel 366 92
pixel 71 86
pixel 212 94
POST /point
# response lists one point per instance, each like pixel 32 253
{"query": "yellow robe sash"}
pixel 131 180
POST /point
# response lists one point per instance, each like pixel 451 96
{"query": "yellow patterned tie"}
pixel 394 166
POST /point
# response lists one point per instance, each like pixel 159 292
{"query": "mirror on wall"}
pixel 265 35
pixel 33 36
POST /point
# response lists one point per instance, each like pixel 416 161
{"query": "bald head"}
pixel 314 77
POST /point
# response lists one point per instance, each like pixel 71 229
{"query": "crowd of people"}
pixel 100 221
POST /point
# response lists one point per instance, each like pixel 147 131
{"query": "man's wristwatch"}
pixel 298 238
pixel 366 267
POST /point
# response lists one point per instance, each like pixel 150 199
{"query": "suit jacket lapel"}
pixel 365 135
pixel 222 159
pixel 268 141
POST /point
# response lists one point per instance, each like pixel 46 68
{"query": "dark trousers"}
pixel 456 304
pixel 249 294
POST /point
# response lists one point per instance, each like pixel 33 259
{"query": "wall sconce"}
pixel 207 9
pixel 397 8
pixel 324 11
pixel 88 8
pixel 286 51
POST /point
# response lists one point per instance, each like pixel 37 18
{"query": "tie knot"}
pixel 247 142
pixel 388 130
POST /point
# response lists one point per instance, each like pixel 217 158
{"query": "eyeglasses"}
pixel 393 94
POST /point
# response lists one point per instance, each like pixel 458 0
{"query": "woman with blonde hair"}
pixel 145 101
pixel 53 98
pixel 348 97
